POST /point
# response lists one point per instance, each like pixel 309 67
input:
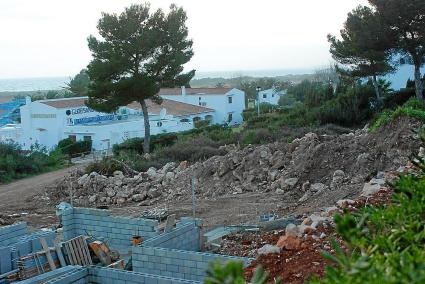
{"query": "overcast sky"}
pixel 48 37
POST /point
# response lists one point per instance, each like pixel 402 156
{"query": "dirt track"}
pixel 18 197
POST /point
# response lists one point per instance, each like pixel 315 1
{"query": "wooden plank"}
pixel 86 251
pixel 76 252
pixel 48 254
pixel 60 255
pixel 71 254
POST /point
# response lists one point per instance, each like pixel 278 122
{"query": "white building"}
pixel 10 133
pixel 271 96
pixel 47 122
pixel 227 103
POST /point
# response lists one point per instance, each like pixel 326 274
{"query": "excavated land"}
pixel 307 175
pixel 285 179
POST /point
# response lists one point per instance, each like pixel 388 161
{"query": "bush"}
pixel 257 136
pixel 72 149
pixel 15 163
pixel 386 244
pixel 202 123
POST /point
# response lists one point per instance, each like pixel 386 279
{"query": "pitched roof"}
pixel 194 91
pixel 174 108
pixel 65 103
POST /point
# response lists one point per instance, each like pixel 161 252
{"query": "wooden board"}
pixel 48 254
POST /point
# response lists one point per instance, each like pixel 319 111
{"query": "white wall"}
pixel 219 103
pixel 271 96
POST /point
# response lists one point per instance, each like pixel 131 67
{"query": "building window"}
pixel 230 117
pixel 272 95
pixel 159 124
pixel 184 120
pixel 203 104
pixel 73 138
pixel 264 96
pixel 230 99
pixel 200 98
pixel 126 135
pixel 87 138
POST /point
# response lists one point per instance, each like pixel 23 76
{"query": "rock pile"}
pixel 314 170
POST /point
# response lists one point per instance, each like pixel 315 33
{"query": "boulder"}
pixel 289 243
pixel 318 187
pixel 280 191
pixel 139 197
pixel 169 176
pixel 118 174
pixel 292 230
pixel 268 249
pixel 110 192
pixel 344 203
pixel 82 180
pixel 151 172
pixel 92 199
pixel 370 189
pixel 154 193
pixel 289 183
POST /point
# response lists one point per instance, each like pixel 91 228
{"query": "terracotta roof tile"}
pixel 174 108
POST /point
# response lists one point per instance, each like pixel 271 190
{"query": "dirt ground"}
pixel 22 200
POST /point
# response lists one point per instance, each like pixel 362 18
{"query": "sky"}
pixel 48 38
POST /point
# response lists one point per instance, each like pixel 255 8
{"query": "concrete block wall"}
pixel 101 275
pixel 10 234
pixel 116 232
pixel 185 237
pixel 53 275
pixel 176 263
pixel 23 246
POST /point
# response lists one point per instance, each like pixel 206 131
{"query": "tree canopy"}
pixel 79 84
pixel 406 22
pixel 138 53
pixel 365 46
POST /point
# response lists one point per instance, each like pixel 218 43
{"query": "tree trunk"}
pixel 418 82
pixel 376 86
pixel 147 138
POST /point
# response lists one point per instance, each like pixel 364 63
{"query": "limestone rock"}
pixel 370 189
pixel 292 230
pixel 289 243
pixel 268 249
pixel 289 183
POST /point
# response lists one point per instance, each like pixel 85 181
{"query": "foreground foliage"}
pixel 15 164
pixel 385 244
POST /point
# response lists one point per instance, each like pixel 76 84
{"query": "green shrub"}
pixel 385 244
pixel 71 148
pixel 106 166
pixel 202 123
pixel 15 163
pixel 257 136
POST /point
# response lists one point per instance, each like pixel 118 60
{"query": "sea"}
pixel 57 83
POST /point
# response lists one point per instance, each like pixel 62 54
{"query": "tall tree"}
pixel 364 46
pixel 79 85
pixel 139 53
pixel 406 20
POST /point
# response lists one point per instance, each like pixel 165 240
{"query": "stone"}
pixel 318 220
pixel 168 167
pixel 370 189
pixel 305 197
pixel 268 249
pixel 273 175
pixel 379 181
pixel 183 165
pixel 344 203
pixel 118 182
pixel 289 183
pixel 306 186
pixel 292 230
pixel 82 180
pixel 92 199
pixel 120 201
pixel 110 192
pixel 139 197
pixel 151 172
pixel 421 153
pixel 154 193
pixel 289 243
pixel 280 191
pixel 318 187
pixel 118 174
pixel 169 176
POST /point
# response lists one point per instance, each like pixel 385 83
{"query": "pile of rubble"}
pixel 314 171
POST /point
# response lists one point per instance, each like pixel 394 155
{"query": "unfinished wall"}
pixel 98 275
pixel 116 232
pixel 184 237
pixel 21 244
pixel 176 263
pixel 10 234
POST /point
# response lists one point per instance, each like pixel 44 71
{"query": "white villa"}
pixel 271 96
pixel 46 122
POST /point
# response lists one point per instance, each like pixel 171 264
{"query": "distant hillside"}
pixel 236 82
